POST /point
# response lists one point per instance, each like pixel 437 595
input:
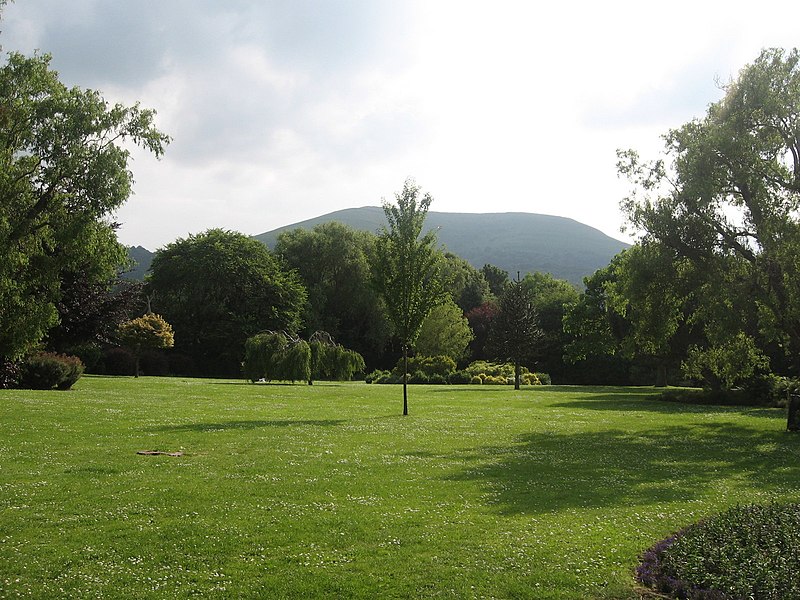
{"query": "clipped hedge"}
pixel 46 370
pixel 745 552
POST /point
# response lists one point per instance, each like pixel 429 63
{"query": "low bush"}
pixel 429 365
pixel 46 370
pixel 418 377
pixel 119 361
pixel 458 377
pixel 544 378
pixel 502 373
pixel 744 552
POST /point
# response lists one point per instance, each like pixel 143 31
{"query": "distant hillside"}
pixel 523 242
pixel 142 257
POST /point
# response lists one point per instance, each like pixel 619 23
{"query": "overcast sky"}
pixel 285 110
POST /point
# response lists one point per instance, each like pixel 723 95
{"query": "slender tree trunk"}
pixel 136 370
pixel 405 379
pixel 517 374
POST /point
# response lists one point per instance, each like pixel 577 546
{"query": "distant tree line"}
pixel 709 295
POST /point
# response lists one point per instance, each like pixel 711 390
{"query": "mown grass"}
pixel 327 491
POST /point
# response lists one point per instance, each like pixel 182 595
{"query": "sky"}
pixel 284 110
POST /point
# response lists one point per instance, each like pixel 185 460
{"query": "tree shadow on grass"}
pixel 626 403
pixel 250 425
pixel 549 471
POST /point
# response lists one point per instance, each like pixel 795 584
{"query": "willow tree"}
pixel 728 187
pixel 407 269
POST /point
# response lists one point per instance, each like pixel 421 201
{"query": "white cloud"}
pixel 282 111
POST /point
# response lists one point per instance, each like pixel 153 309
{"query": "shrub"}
pixel 10 373
pixel 459 377
pixel 476 380
pixel 530 379
pixel 419 376
pixel 497 373
pixel 119 361
pixel 437 379
pixel 90 355
pixel 747 551
pixel 154 363
pixel 182 365
pixel 45 371
pixel 429 365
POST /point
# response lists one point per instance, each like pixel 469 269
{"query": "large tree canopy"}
pixel 217 289
pixel 729 186
pixel 332 261
pixel 63 170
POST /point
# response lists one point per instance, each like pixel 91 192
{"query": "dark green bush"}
pixel 119 361
pixel 418 377
pixel 75 369
pixel 744 552
pixel 459 377
pixel 429 365
pixel 45 371
pixel 544 378
pixel 437 379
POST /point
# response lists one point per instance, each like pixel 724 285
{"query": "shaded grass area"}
pixel 326 491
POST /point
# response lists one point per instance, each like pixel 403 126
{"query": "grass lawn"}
pixel 290 491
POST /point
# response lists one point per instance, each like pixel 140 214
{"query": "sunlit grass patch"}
pixel 327 491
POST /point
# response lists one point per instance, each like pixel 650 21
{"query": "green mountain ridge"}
pixel 515 242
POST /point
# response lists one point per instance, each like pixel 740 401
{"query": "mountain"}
pixel 141 258
pixel 524 242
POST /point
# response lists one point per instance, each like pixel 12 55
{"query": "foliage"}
pixel 217 289
pixel 90 312
pixel 728 365
pixel 467 286
pixel 429 365
pixel 407 267
pixel 728 188
pixel 277 356
pixel 480 321
pixel 551 298
pixel 332 361
pixel 118 361
pixel 63 171
pixel 147 332
pixel 444 331
pixel 515 332
pixel 10 373
pixel 332 262
pixel 496 278
pixel 47 370
pixel 744 552
pixel 481 371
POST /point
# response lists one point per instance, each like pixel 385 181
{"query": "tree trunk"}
pixel 517 374
pixel 136 370
pixel 405 379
